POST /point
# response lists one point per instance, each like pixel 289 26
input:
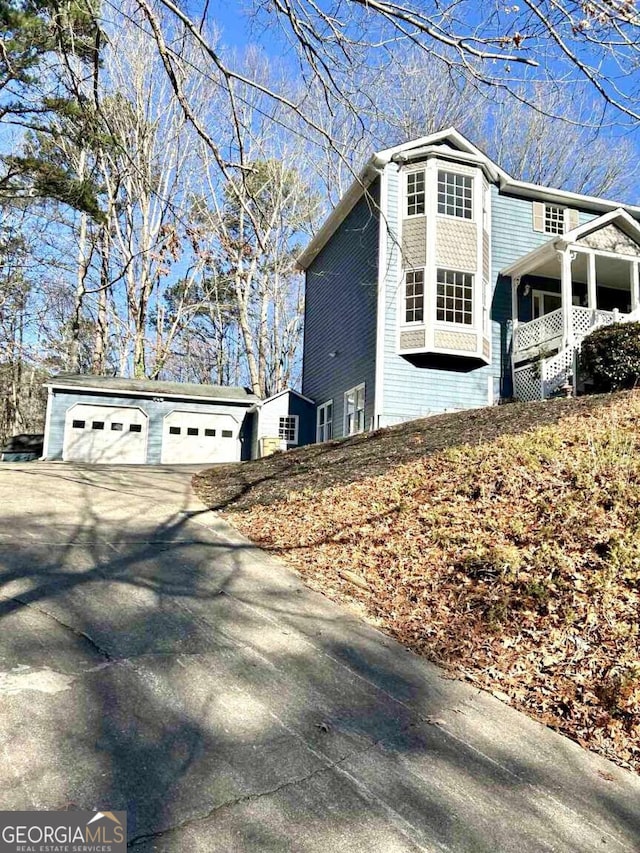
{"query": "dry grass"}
pixel 512 558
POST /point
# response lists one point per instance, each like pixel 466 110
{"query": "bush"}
pixel 610 357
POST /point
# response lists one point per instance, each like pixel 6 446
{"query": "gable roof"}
pixel 532 259
pixel 617 217
pixel 452 143
pixel 150 388
pixel 288 391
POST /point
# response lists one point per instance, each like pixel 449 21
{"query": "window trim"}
pixel 535 291
pixel 296 425
pixel 405 206
pixel 323 407
pixel 455 216
pixel 562 220
pixel 449 323
pixel 355 391
pixel 407 273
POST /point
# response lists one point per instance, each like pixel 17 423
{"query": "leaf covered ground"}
pixel 503 544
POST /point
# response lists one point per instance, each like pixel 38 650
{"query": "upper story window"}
pixel 288 429
pixel 415 193
pixel 354 410
pixel 414 296
pixel 553 219
pixel 324 425
pixel 455 194
pixel 454 298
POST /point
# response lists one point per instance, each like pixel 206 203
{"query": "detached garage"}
pixel 100 419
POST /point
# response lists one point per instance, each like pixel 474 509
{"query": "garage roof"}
pixel 151 388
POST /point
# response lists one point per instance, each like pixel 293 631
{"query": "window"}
pixel 288 429
pixel 544 302
pixel 192 430
pixel 553 219
pixel 174 430
pixel 209 433
pixel 454 297
pixel 354 410
pixel 454 195
pixel 324 424
pixel 415 193
pixel 78 424
pixel 135 427
pixel 227 433
pixel 414 296
pixel 116 427
pixel 97 425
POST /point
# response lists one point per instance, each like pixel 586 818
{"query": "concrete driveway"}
pixel 152 660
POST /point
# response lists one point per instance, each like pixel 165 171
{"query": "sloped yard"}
pixel 502 543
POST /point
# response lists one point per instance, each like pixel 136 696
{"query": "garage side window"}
pixel 174 430
pixel 116 427
pixel 209 433
pixel 288 429
pixel 227 433
pixel 97 425
pixel 192 431
pixel 78 424
pixel 135 427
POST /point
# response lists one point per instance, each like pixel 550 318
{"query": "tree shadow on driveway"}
pixel 170 669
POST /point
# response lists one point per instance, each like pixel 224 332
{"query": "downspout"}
pixel 381 318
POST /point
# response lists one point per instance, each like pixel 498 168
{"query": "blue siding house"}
pixel 440 283
pixel 102 419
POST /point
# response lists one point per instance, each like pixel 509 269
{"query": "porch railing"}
pixel 539 379
pixel 545 331
pixel 539 331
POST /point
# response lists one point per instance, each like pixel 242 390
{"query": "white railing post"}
pixel 566 290
pixel 592 289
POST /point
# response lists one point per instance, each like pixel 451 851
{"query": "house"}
pixel 283 421
pixel 139 421
pixel 441 283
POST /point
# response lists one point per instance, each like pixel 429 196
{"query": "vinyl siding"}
pixel 512 236
pixel 62 401
pixel 280 407
pixel 412 391
pixel 340 314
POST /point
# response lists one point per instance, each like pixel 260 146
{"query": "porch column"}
pixel 566 290
pixel 635 286
pixel 515 283
pixel 592 291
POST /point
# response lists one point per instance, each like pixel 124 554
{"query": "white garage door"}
pixel 196 437
pixel 105 434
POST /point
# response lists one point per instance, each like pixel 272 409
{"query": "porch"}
pixel 550 314
pixel 565 289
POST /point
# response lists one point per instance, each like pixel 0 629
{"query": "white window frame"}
pixel 414 297
pixel 358 414
pixel 561 220
pixel 535 292
pixel 473 277
pixel 296 423
pixel 466 209
pixel 321 429
pixel 415 195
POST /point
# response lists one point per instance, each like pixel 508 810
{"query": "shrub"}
pixel 610 356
